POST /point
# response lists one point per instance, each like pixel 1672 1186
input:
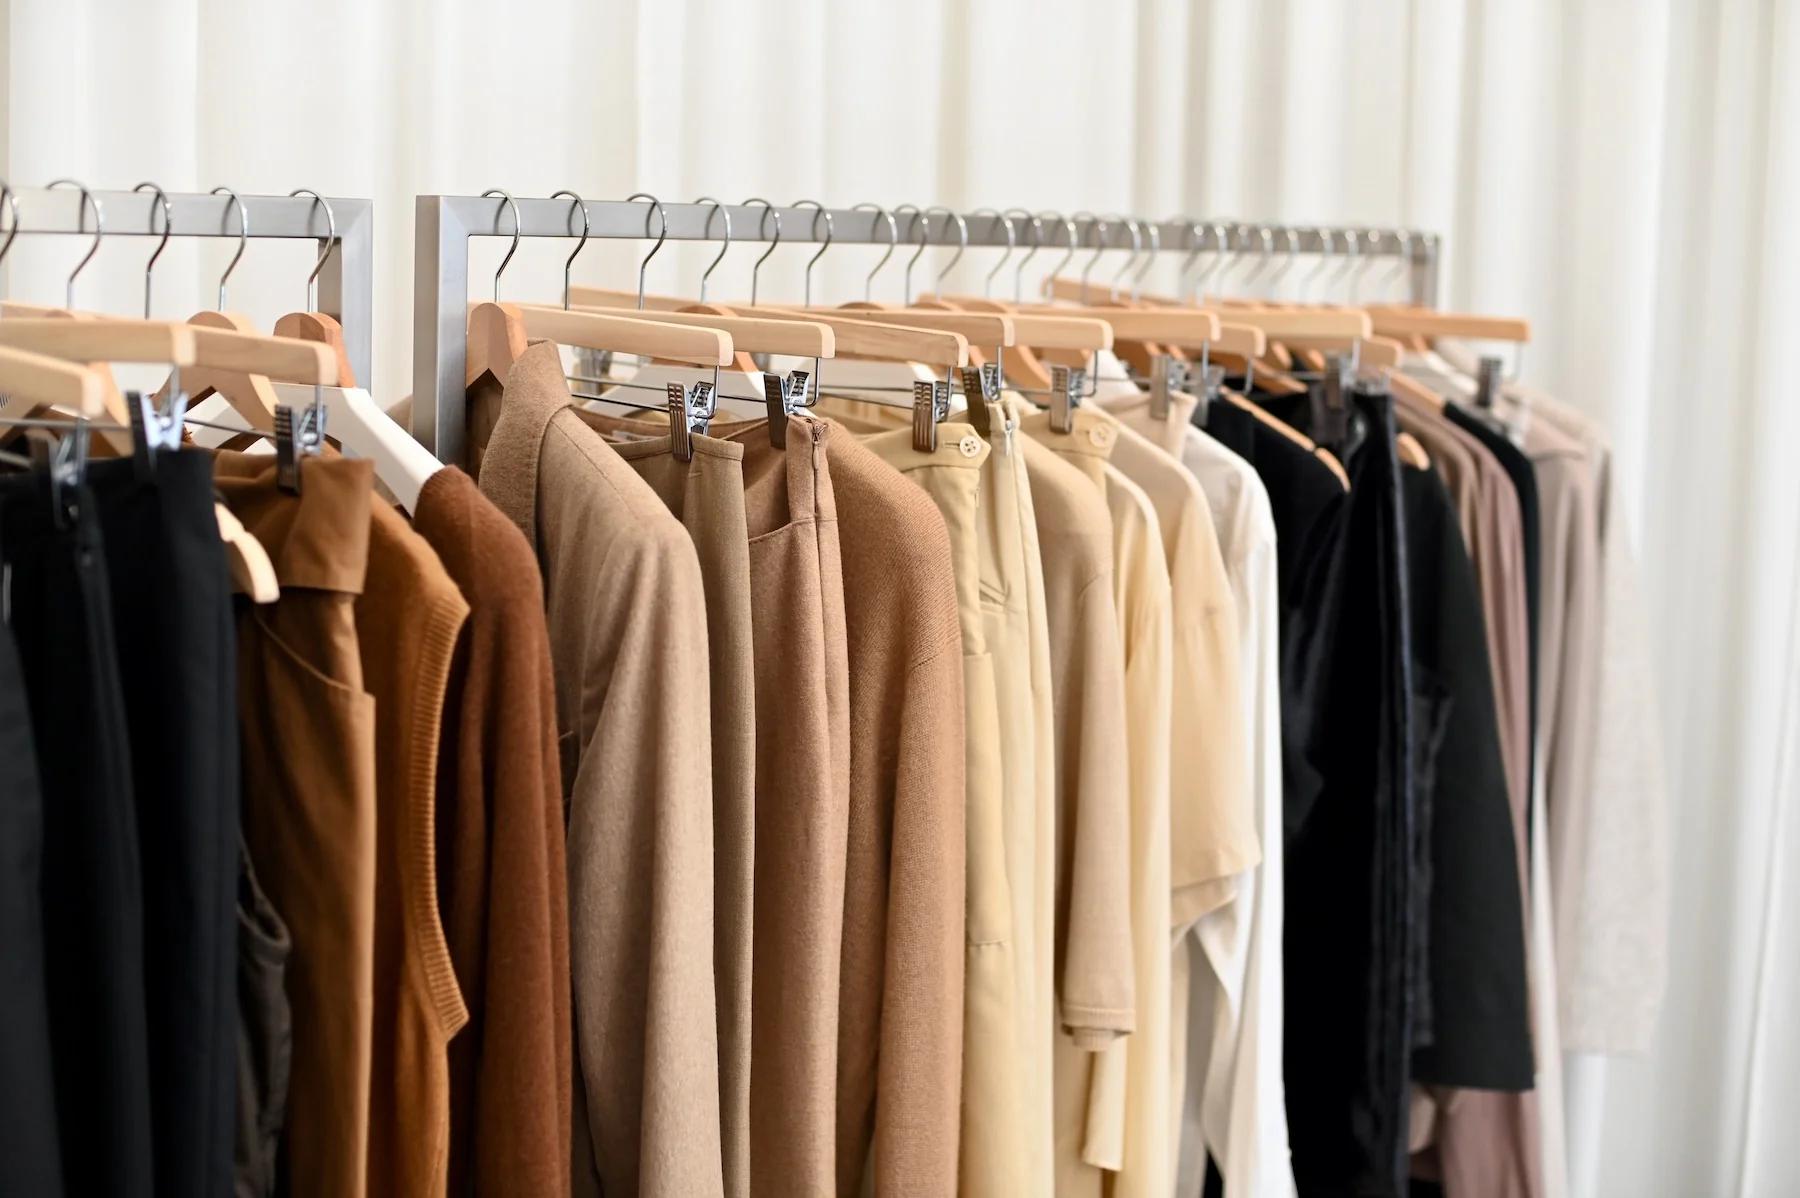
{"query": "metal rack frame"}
pixel 443 225
pixel 346 283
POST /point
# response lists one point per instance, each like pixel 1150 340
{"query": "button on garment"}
pixel 626 613
pixel 308 728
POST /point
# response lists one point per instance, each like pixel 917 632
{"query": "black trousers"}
pixel 29 1162
pixel 55 566
pixel 173 621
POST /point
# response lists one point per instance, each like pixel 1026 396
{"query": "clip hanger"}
pixel 931 403
pixel 690 411
pixel 1066 384
pixel 784 396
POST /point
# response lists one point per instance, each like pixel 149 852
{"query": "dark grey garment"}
pixel 265 1035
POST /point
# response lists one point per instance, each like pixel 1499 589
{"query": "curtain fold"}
pixel 1622 175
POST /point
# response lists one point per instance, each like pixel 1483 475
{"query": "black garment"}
pixel 265 1036
pixel 1475 1031
pixel 173 624
pixel 1347 720
pixel 28 1145
pixel 1308 506
pixel 93 908
pixel 1524 480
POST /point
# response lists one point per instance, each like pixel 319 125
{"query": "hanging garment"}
pixel 93 908
pixel 1125 1127
pixel 992 1158
pixel 626 613
pixel 29 1161
pixel 900 1035
pixel 265 1036
pixel 502 882
pixel 707 495
pixel 308 736
pixel 1346 1055
pixel 408 619
pixel 175 659
pixel 1096 1000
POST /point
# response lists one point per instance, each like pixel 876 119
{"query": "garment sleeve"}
pixel 1097 986
pixel 919 1078
pixel 640 882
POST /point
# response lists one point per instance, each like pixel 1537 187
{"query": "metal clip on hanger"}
pixel 1065 397
pixel 784 396
pixel 1487 382
pixel 931 404
pixel 690 411
pixel 1331 408
pixel 1166 376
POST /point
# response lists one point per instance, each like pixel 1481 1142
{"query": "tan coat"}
pixel 627 620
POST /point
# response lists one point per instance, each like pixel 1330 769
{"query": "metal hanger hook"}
pixel 1400 273
pixel 913 226
pixel 769 210
pixel 1069 232
pixel 818 211
pixel 149 266
pixel 962 242
pixel 1266 262
pixel 1222 251
pixel 1136 232
pixel 1352 256
pixel 1286 265
pixel 1356 283
pixel 506 199
pixel 987 282
pixel 12 205
pixel 1195 237
pixel 662 235
pixel 1154 235
pixel 87 201
pixel 1099 227
pixel 312 280
pixel 1326 241
pixel 718 209
pixel 893 240
pixel 569 262
pixel 243 238
pixel 1037 242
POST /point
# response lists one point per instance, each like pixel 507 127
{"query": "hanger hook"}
pixel 987 282
pixel 1352 256
pixel 718 209
pixel 1068 225
pixel 1037 242
pixel 506 199
pixel 962 244
pixel 149 266
pixel 1222 256
pixel 569 262
pixel 912 227
pixel 818 211
pixel 1194 241
pixel 312 280
pixel 87 201
pixel 1135 231
pixel 893 240
pixel 1356 283
pixel 768 211
pixel 1266 261
pixel 1399 275
pixel 12 206
pixel 1286 265
pixel 1154 235
pixel 662 235
pixel 1099 228
pixel 243 238
pixel 1326 240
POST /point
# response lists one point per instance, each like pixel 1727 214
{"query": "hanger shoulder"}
pixel 1411 452
pixel 695 345
pixel 357 423
pixel 871 338
pixel 1302 323
pixel 1427 322
pixel 1188 328
pixel 496 339
pixel 32 382
pixel 606 297
pixel 750 334
pixel 317 326
pixel 1405 385
pixel 102 340
pixel 978 328
pixel 1244 340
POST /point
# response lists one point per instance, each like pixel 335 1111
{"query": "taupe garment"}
pixel 707 495
pixel 627 621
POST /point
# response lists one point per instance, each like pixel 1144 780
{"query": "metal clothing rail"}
pixel 346 282
pixel 443 225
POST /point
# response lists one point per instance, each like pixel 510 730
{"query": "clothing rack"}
pixel 346 282
pixel 443 225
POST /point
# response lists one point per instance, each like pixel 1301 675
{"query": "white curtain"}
pixel 1619 172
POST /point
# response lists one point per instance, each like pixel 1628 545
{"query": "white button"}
pixel 1100 434
pixel 970 445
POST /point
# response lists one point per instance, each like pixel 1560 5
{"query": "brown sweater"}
pixel 407 621
pixel 502 882
pixel 900 1003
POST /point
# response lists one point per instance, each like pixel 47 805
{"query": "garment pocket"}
pixel 989 895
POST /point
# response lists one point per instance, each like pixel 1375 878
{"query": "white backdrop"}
pixel 1615 171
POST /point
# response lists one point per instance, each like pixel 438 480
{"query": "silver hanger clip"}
pixel 690 412
pixel 784 397
pixel 287 456
pixel 67 467
pixel 1065 397
pixel 1166 377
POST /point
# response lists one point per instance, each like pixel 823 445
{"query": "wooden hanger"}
pixel 1293 434
pixel 749 334
pixel 1407 321
pixel 326 331
pixel 498 334
pixel 97 343
pixel 34 382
